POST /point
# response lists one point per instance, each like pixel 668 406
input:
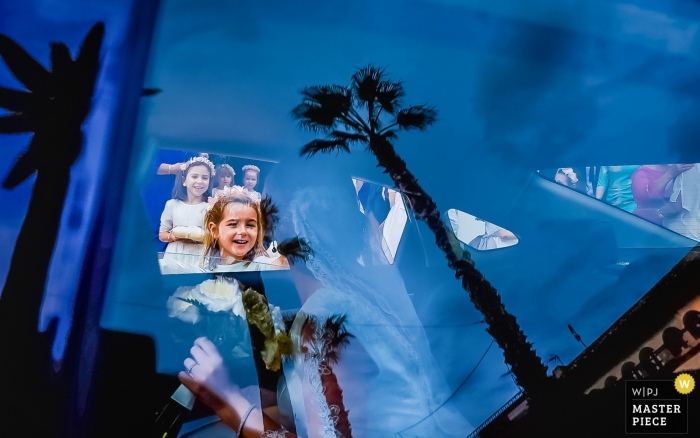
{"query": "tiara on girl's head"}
pixel 251 167
pixel 231 192
pixel 229 168
pixel 200 159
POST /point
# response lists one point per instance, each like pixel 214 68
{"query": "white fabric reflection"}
pixel 687 222
pixel 391 383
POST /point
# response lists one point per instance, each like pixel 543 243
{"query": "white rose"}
pixel 218 295
pixel 182 310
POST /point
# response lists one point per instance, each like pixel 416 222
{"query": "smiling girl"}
pixel 234 231
pixel 224 177
pixel 182 218
pixel 251 176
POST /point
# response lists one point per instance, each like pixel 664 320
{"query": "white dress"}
pixel 261 263
pixel 687 222
pixel 256 196
pixel 176 214
pixel 383 387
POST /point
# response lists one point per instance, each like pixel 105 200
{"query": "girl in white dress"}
pixel 183 216
pixel 224 178
pixel 233 238
pixel 251 176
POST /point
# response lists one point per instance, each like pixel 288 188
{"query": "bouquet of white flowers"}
pixel 215 308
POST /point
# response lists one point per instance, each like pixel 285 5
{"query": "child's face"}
pixel 225 181
pixel 197 180
pixel 250 179
pixel 237 232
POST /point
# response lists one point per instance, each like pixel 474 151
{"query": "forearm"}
pixel 599 192
pixel 168 169
pixel 671 208
pixel 165 236
pixel 657 189
pixel 255 423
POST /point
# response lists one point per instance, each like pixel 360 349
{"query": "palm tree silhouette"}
pixel 54 108
pixel 336 111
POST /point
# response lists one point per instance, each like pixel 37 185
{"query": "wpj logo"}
pixel 657 406
pixel 645 392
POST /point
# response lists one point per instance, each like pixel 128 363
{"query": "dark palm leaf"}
pixel 366 83
pixel 416 117
pixel 348 137
pixel 270 214
pixel 333 98
pixel 24 167
pixel 14 100
pixel 295 249
pixel 61 61
pixel 317 146
pixel 57 106
pixel 389 96
pixel 23 66
pixel 323 107
pixel 15 124
pixel 340 337
pixel 314 118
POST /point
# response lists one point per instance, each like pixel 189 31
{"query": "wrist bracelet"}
pixel 243 418
pixel 169 167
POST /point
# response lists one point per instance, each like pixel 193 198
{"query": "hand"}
pixel 209 397
pixel 677 169
pixel 207 369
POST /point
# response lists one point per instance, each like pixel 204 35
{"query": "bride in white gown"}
pixel 388 383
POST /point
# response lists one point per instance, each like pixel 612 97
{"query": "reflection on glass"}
pixel 203 220
pixel 664 194
pixel 479 234
pixel 386 212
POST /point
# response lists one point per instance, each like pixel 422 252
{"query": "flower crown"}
pixel 229 168
pixel 200 159
pixel 252 167
pixel 231 192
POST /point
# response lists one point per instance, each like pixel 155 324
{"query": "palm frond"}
pixel 417 117
pixel 15 123
pixel 314 118
pixel 340 337
pixel 334 98
pixel 366 82
pixel 295 249
pixel 348 137
pixel 61 61
pixel 14 100
pixel 270 214
pixel 23 66
pixel 322 107
pixel 389 96
pixel 325 146
pixel 23 168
